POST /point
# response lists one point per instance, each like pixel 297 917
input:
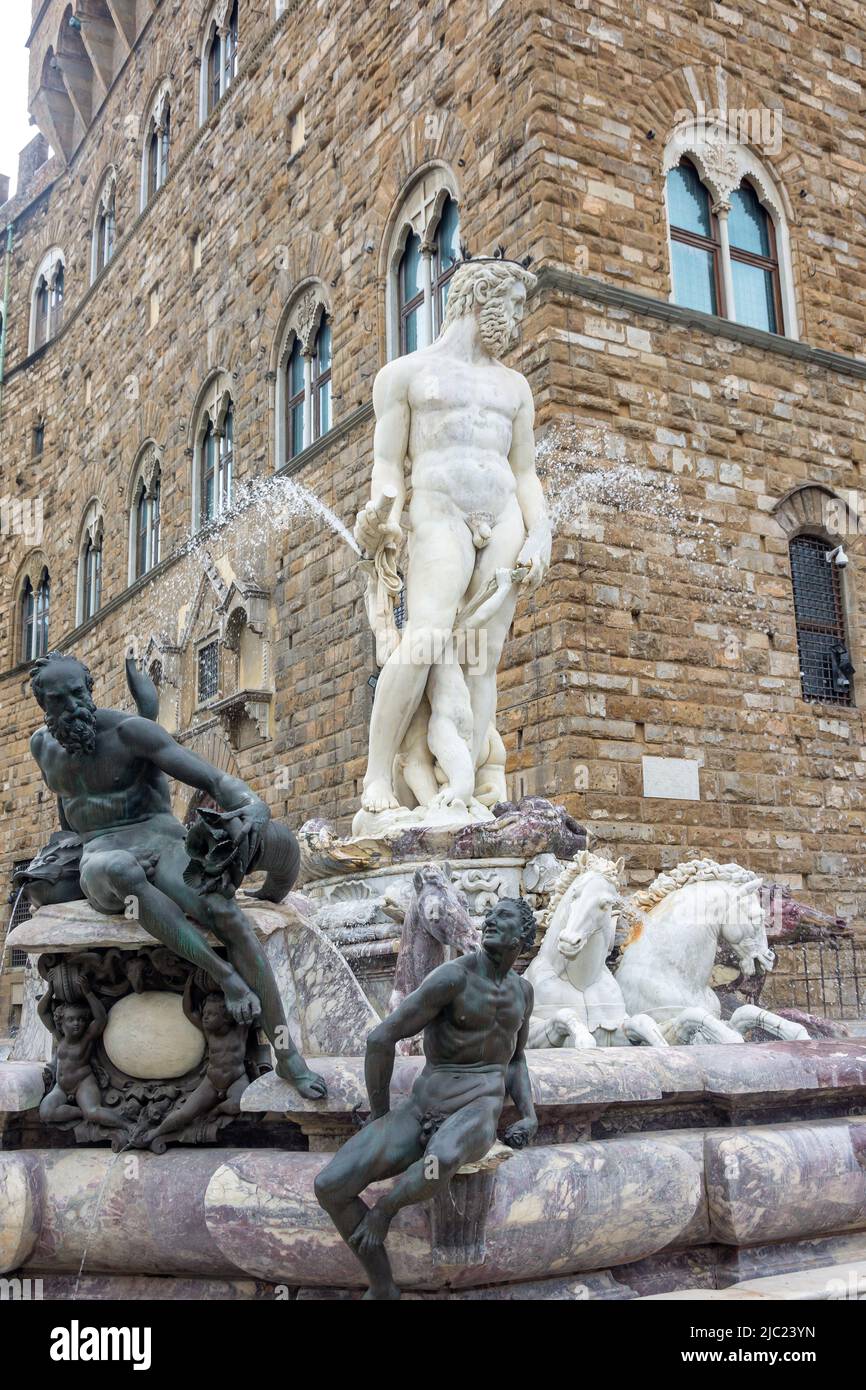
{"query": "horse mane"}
pixel 583 862
pixel 672 880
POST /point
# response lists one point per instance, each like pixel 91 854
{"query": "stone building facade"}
pixel 226 180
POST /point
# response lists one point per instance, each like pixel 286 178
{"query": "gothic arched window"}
pixel 730 254
pixel 220 58
pixel 695 245
pixel 321 382
pixel 295 397
pixel 35 605
pixel 104 227
pixel 157 144
pixel 90 565
pixel 215 460
pixel 303 370
pixel 46 304
pixel 144 515
pixel 422 255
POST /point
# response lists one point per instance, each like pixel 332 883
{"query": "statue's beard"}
pixel 495 328
pixel 75 728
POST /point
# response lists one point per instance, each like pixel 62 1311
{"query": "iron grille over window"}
pixel 208 672
pixel 21 910
pixel 820 617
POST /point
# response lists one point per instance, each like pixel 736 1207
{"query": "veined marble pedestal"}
pixel 357 885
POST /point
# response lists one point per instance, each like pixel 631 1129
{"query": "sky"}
pixel 15 128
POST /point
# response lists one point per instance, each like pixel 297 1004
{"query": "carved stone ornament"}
pixel 118 1018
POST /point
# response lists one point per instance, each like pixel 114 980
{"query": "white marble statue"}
pixel 454 448
pixel 661 991
pixel 676 925
pixel 578 1003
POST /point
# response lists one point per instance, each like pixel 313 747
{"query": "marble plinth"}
pixel 655 1170
pixel 523 830
pixel 326 1009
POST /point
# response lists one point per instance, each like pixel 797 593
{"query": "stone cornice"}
pixel 602 292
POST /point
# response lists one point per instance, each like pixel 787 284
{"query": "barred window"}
pixel 822 644
pixel 208 672
pixel 20 911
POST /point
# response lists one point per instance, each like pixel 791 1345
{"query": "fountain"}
pixel 627 1171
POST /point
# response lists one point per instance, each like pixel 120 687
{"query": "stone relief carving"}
pixel 93 1090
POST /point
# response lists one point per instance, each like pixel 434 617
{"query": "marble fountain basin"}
pixel 718 1158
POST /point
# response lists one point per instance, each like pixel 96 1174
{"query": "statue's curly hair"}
pixel 44 662
pixel 527 919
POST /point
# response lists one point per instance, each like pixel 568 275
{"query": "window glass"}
pixel 694 278
pixel 754 298
pixel 688 200
pixel 747 222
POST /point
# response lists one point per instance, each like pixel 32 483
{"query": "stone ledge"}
pixel 831 1283
pixel 21 1086
pixel 573 1079
pixel 79 927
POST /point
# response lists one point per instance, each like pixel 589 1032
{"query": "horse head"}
pixel 745 930
pixel 439 909
pixel 585 900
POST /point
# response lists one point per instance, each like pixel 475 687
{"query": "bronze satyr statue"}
pixel 475 1014
pixel 110 771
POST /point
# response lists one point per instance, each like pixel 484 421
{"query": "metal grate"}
pixel 208 672
pixel 825 978
pixel 820 618
pixel 21 910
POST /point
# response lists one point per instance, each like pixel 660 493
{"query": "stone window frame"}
pixel 50 270
pixel 146 485
pixel 35 576
pixel 212 641
pixel 218 29
pixel 215 402
pixel 103 235
pixel 813 509
pixel 158 124
pixel 722 165
pixel 306 312
pixel 89 582
pixel 417 212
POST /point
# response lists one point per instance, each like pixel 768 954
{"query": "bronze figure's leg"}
pixel 384 1147
pixel 463 1138
pixel 251 989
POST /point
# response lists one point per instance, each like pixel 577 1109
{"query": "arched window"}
pixel 303 394
pixel 822 642
pixel 90 564
pixel 295 396
pixel 144 515
pixel 157 144
pixel 104 227
pixel 695 245
pixel 446 256
pixel 422 254
pixel 35 605
pixel 728 236
pixel 220 57
pixel 321 384
pixel 754 262
pixel 214 458
pixel 46 303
